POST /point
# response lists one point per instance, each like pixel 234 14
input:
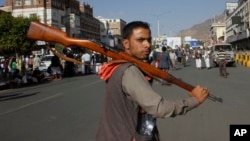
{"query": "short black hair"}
pixel 128 29
pixel 163 48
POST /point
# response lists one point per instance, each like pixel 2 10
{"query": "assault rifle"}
pixel 39 31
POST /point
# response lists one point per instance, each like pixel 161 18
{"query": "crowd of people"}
pixel 23 70
pixel 167 59
pixel 91 62
pixel 200 55
pixel 18 71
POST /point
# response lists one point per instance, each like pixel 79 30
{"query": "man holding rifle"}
pixel 131 105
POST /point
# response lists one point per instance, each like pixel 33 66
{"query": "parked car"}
pixel 229 53
pixel 45 62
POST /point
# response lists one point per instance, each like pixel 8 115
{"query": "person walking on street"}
pixel 36 62
pixel 207 53
pixel 221 61
pixel 179 55
pixel 86 58
pixel 13 64
pixel 198 57
pixel 82 65
pixel 153 56
pixel 30 62
pixel 164 60
pixel 99 59
pixel 131 105
pixel 56 67
pixel 26 62
pixel 173 58
pixel 183 59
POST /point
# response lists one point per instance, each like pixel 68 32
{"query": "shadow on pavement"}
pixel 15 96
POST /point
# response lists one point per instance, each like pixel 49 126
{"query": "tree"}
pixel 6 21
pixel 13 31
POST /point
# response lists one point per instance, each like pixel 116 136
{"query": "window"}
pixel 36 2
pixel 18 3
pixel 27 2
pixel 62 20
pixel 224 47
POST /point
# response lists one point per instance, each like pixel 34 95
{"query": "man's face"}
pixel 139 43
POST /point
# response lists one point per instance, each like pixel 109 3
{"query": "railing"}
pixel 243 58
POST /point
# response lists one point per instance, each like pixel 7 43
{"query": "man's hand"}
pixel 200 93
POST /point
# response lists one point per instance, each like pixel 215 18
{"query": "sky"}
pixel 169 16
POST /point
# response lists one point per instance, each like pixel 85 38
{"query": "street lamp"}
pixel 158 22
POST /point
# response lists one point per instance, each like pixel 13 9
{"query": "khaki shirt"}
pixel 138 89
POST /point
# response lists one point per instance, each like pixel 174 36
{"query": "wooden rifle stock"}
pixel 39 31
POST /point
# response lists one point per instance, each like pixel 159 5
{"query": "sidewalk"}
pixel 14 85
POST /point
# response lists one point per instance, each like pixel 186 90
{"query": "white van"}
pixel 228 52
pixel 45 62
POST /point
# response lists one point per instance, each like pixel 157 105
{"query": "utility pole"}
pixel 158 21
pixel 158 28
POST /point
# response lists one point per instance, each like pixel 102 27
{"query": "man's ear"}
pixel 125 43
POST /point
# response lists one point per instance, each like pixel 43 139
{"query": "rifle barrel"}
pixel 39 31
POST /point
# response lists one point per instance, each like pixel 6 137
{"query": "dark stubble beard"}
pixel 146 60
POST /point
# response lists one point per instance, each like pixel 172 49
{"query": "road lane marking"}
pixel 44 99
pixel 30 104
pixel 92 83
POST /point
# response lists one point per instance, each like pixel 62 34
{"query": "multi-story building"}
pixel 111 31
pixel 218 32
pixel 70 16
pixel 90 26
pixel 230 8
pixel 61 14
pixel 237 25
pixel 163 40
pixel 116 26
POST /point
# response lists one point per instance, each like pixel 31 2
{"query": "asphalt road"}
pixel 69 109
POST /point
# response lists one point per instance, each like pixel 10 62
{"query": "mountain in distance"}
pixel 201 31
